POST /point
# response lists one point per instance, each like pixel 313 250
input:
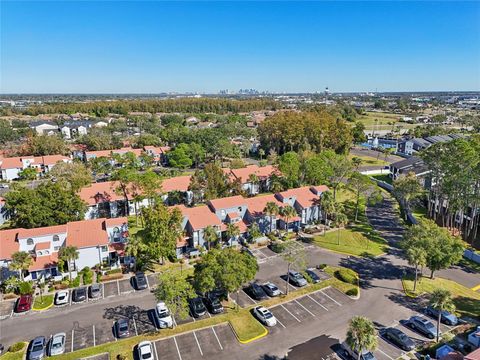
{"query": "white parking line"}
pixel 193 317
pixel 335 301
pixel 178 350
pixel 249 296
pixel 304 308
pixel 284 308
pixel 72 342
pixel 148 284
pixel 198 344
pixel 385 354
pixel 281 324
pixel 174 322
pixel 155 349
pixel 103 291
pixel 135 326
pixel 316 302
pixel 216 337
pixel 93 335
pixel 118 287
pixel 208 312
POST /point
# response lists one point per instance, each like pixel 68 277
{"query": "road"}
pixel 307 323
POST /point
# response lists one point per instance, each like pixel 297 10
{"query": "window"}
pixel 104 249
pixel 56 248
pixel 46 252
pixel 29 241
pixel 40 253
pixel 56 238
pixel 240 209
pixel 223 213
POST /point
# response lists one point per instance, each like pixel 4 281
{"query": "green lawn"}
pixel 472 265
pixel 466 300
pixel 419 212
pixel 383 177
pixel 19 355
pixel 370 161
pixel 384 121
pixel 43 302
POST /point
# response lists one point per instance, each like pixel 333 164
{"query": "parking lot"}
pixel 6 308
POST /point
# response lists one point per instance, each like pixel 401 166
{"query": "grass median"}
pixel 42 302
pixel 466 300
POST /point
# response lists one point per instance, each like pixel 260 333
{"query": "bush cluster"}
pixel 16 347
pixel 277 247
pixel 347 275
pixel 352 292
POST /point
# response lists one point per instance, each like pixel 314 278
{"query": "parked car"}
pixel 163 316
pixel 399 338
pixel 353 353
pixel 271 289
pixel 423 326
pixel 213 304
pixel 446 317
pixel 95 291
pixel 256 292
pixel 37 349
pixel 197 308
pixel 1 349
pixel 296 278
pixel 24 303
pixel 79 294
pixel 140 281
pixel 145 350
pixel 265 316
pixel 57 344
pixel 313 275
pixel 62 297
pixel 122 329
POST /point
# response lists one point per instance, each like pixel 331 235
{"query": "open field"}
pixel 369 161
pixel 384 121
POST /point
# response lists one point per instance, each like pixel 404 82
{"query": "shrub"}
pixel 87 276
pixel 111 277
pixel 347 275
pixel 25 288
pixel 352 292
pixel 321 266
pixel 114 271
pixel 122 357
pixel 16 347
pixel 277 247
pixel 75 282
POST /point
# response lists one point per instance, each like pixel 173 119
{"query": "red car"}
pixel 24 303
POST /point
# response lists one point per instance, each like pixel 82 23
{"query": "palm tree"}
pixel 210 235
pixel 327 204
pixel 441 300
pixel 340 220
pixel 253 179
pixel 134 248
pixel 69 254
pixel 276 184
pixel 271 209
pixel 416 256
pixel 361 335
pixel 232 231
pixel 21 261
pixel 287 212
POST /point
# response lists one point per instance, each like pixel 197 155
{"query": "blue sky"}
pixel 151 47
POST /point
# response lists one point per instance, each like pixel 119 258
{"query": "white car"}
pixel 265 316
pixel 163 316
pixel 145 350
pixel 61 297
pixel 57 344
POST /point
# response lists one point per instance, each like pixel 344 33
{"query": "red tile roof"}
pixel 228 202
pixel 11 163
pixel 98 153
pixel 42 246
pixel 257 204
pixel 100 192
pixel 8 243
pixel 116 221
pixel 474 355
pixel 303 196
pixel 48 230
pixel 53 159
pixel 200 216
pixel 44 262
pixel 87 233
pixel 179 183
pixel 261 172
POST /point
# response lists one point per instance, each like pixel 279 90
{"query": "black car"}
pixel 257 292
pixel 140 281
pixel 79 294
pixel 315 278
pixel 399 338
pixel 122 329
pixel 213 304
pixel 197 308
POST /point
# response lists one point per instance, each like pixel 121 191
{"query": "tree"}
pixel 254 231
pixel 69 254
pixel 287 212
pixel 416 256
pixel 135 248
pixel 340 220
pixel 328 204
pixel 358 133
pixel 45 145
pixel 197 153
pixel 271 209
pixel 361 335
pixel 295 256
pixel 162 230
pixel 210 182
pixel 253 179
pixel 339 169
pixel 75 175
pixel 28 173
pixel 226 269
pixel 360 184
pixel 174 289
pixel 289 165
pixel 316 170
pixel 233 231
pixel 210 235
pixel 441 300
pixel 124 178
pixel 47 205
pixel 179 157
pixel 21 261
pixel 406 189
pixel 150 185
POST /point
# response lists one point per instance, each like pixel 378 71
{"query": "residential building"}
pixel 99 241
pixel 413 164
pixel 159 153
pixel 260 174
pixel 71 129
pixel 44 127
pixel 11 167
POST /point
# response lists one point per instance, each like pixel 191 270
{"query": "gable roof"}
pixel 8 243
pixel 257 204
pixel 200 217
pixel 179 183
pixel 261 172
pixel 228 202
pixel 86 233
pixel 100 192
pixel 303 196
pixel 43 231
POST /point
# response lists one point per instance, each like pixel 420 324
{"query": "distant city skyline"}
pixel 205 47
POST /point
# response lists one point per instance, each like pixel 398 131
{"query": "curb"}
pixel 265 333
pixel 42 309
